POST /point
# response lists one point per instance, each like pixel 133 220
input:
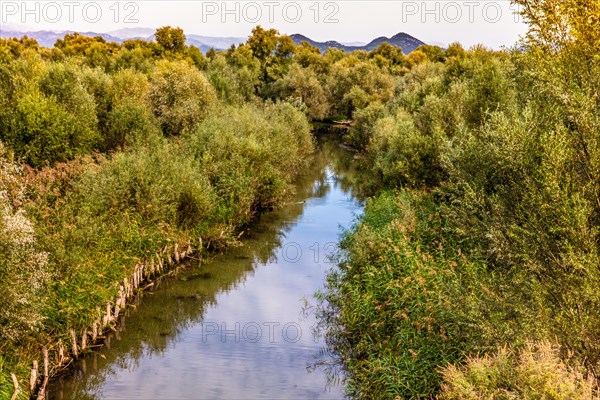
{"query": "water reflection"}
pixel 234 327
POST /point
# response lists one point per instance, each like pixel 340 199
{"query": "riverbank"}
pixel 105 226
pixel 234 326
pixel 477 257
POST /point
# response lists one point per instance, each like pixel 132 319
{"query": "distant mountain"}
pixel 403 40
pixel 48 38
pixel 355 44
pixel 132 33
pixel 204 43
pixel 217 42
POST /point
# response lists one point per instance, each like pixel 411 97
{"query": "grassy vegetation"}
pixel 490 238
pixel 139 159
pixel 474 270
pixel 535 371
pixel 95 218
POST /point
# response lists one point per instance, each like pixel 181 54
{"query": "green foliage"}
pixel 262 42
pixel 235 77
pixel 433 53
pixel 180 95
pixel 534 372
pixel 405 301
pixel 170 39
pixel 303 83
pixel 51 117
pixel 363 121
pixel 515 174
pixel 501 248
pixel 74 230
pixel 42 130
pixel 130 124
pixel 354 84
pixel 250 154
pixel 401 155
pixel 391 55
pixel 96 51
pixel 273 51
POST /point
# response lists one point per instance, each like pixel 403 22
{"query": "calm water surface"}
pixel 239 326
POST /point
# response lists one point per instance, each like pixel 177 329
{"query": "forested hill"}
pixel 403 40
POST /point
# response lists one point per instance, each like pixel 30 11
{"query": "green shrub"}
pixel 363 121
pixel 51 117
pixel 130 123
pixel 180 96
pixel 406 301
pixel 353 84
pixel 234 84
pixel 251 154
pixel 401 155
pixel 42 130
pixel 304 83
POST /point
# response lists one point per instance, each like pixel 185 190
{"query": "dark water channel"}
pixel 236 327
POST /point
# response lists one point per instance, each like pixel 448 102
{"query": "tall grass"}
pixel 86 223
pixel 509 179
pixel 406 300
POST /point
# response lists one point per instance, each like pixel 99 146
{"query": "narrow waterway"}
pixel 239 326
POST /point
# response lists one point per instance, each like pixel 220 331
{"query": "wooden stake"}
pixel 33 377
pixel 61 353
pixel 125 287
pixel 46 363
pixel 42 390
pixel 16 386
pixel 74 343
pixel 108 314
pixel 119 301
pixel 84 340
pixel 95 331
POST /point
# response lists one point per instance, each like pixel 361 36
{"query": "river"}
pixel 241 325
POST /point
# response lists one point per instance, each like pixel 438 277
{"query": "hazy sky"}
pixel 492 23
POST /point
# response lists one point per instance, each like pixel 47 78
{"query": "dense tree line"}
pixel 477 257
pixel 474 275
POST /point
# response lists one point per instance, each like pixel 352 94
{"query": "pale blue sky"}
pixel 492 23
